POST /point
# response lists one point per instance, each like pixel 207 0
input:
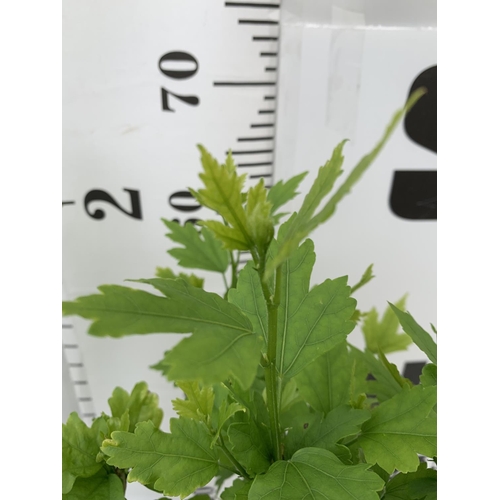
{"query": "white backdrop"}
pixel 329 70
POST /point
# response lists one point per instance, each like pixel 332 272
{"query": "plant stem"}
pixel 270 370
pixel 238 466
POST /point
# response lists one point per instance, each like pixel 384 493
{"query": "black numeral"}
pixel 166 64
pixel 98 195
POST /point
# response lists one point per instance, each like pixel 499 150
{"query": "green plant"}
pixel 274 392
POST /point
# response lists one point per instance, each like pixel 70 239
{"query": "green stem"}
pixel 237 465
pixel 270 370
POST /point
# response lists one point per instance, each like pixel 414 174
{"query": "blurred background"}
pixel 280 83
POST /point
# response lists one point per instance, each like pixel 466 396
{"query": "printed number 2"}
pixel 165 66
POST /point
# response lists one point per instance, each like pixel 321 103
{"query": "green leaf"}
pixel 340 423
pixel 141 405
pixel 162 366
pixel 412 486
pixel 306 220
pixel 223 342
pixel 299 225
pixel 226 411
pixel 250 444
pixel 366 278
pixel 237 491
pixel 421 338
pixel 310 323
pixel 384 386
pixel 429 375
pixel 316 474
pixel 100 486
pixel 199 402
pixel 324 384
pixel 383 335
pixel 167 273
pixel 80 447
pixel 201 250
pixel 283 192
pixel 176 464
pixel 222 193
pixel 258 212
pixel 249 298
pixel 401 428
pixel 306 429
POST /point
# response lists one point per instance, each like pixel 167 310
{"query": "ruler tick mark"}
pixel 266 111
pixel 261 125
pixel 80 382
pixel 75 365
pixel 70 346
pixel 268 54
pixel 245 139
pixel 253 4
pixel 251 152
pixel 67 326
pixel 258 21
pixel 258 164
pixel 85 399
pixel 265 38
pixel 270 69
pixel 68 203
pixel 244 84
pixel 269 98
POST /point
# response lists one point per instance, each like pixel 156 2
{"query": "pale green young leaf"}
pixel 283 192
pixel 250 444
pixel 307 220
pixel 429 375
pixel 167 273
pixel 321 321
pixel 237 491
pixel 248 296
pixel 140 405
pixel 412 486
pixel 366 278
pixel 200 249
pixel 222 193
pixel 325 383
pixel 384 335
pixel 199 402
pixel 258 212
pixel 80 447
pixel 356 173
pixel 421 338
pixel 316 474
pixel 400 429
pixel 298 225
pixel 175 463
pixel 100 486
pixel 231 238
pixel 225 412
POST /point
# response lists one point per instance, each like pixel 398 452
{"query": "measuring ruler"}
pixel 143 85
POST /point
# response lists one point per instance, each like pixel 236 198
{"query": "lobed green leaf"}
pixel 316 474
pixel 175 463
pixel 400 429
